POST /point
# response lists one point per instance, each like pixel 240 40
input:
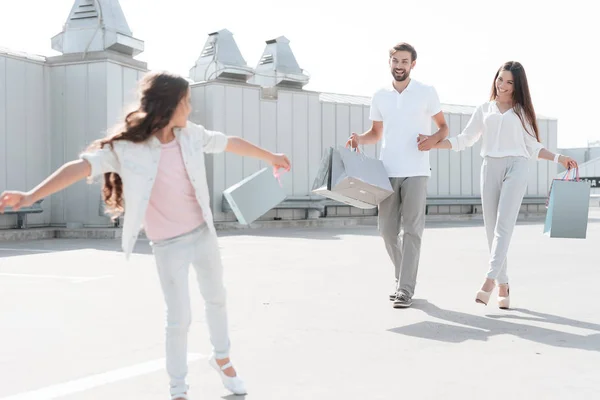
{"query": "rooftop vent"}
pixel 97 25
pixel 220 59
pixel 278 66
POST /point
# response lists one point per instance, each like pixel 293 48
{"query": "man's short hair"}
pixel 402 46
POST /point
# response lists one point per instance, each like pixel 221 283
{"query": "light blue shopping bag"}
pixel 254 196
pixel 568 208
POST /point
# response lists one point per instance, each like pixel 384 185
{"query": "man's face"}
pixel 401 64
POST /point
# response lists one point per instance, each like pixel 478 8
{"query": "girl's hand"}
pixel 15 200
pixel 280 161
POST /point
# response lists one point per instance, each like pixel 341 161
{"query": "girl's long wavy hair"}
pixel 159 95
pixel 521 97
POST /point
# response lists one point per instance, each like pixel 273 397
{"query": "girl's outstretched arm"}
pixel 62 178
pixel 242 147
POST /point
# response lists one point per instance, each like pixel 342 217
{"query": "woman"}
pixel 507 124
pixel 154 164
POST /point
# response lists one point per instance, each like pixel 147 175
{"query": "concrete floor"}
pixel 310 319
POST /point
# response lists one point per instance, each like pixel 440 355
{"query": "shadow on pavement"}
pixel 482 328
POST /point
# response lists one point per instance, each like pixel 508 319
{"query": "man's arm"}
pixel 427 143
pixel 443 131
pixel 372 136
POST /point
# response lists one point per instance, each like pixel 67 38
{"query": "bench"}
pixel 307 203
pixel 319 204
pixel 475 201
pixel 22 213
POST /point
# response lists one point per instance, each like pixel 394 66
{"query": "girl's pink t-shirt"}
pixel 173 209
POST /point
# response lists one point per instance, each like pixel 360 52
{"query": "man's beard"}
pixel 402 77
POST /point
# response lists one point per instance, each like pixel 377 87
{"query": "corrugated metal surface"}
pixel 48 115
pixel 24 129
pixel 297 123
pixel 304 124
pixel 366 101
pixel 51 113
pixel 344 99
pixel 87 99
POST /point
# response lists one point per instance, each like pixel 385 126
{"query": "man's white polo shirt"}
pixel 405 115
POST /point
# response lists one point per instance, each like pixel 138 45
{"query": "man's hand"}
pixel 352 141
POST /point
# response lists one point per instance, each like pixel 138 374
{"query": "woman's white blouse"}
pixel 503 134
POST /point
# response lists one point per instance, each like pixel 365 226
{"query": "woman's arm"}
pixel 468 137
pixel 566 161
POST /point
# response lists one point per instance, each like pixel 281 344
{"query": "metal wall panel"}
pixel 65 107
pixel 24 131
pixel 87 101
pixel 302 126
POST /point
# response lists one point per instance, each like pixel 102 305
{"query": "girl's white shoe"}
pixel 233 384
pixel 180 397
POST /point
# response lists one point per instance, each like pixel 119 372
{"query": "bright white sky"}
pixel 460 43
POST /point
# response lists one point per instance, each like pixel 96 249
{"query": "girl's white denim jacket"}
pixel 137 164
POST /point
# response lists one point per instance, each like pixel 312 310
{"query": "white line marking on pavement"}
pixel 90 382
pixel 29 250
pixel 73 279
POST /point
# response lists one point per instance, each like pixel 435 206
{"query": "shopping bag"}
pixel 352 178
pixel 567 208
pixel 254 196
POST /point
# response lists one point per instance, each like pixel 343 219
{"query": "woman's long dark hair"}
pixel 160 94
pixel 521 97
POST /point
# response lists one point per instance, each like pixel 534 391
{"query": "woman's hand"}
pixel 567 162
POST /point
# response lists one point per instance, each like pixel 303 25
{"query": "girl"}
pixel 155 164
pixel 510 134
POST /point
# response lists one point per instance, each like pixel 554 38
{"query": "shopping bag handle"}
pixel 353 149
pixel 567 175
pixel 277 175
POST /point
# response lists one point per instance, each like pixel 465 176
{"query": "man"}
pixel 400 114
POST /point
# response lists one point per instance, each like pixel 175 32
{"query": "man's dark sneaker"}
pixel 395 293
pixel 402 300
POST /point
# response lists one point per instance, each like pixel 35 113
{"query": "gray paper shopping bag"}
pixel 322 183
pixel 359 176
pixel 568 209
pixel 254 196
